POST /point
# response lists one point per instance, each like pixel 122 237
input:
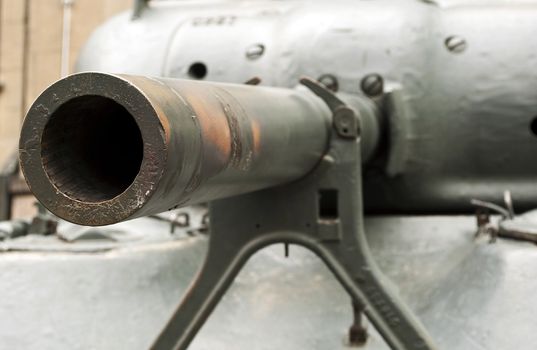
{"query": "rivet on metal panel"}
pixel 329 81
pixel 456 44
pixel 372 84
pixel 255 51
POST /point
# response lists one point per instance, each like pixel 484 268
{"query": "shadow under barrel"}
pixel 97 148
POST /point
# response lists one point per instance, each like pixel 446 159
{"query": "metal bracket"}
pixel 322 212
pixel 345 121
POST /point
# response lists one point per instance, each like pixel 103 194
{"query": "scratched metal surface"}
pixel 470 295
pixel 187 142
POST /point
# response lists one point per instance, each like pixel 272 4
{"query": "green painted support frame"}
pixel 295 214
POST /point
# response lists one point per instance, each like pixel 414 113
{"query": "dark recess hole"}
pixel 533 126
pixel 91 148
pixel 328 204
pixel 197 70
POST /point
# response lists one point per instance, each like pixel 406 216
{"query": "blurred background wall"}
pixel 39 42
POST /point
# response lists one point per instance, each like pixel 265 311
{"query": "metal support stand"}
pixel 357 331
pixel 8 172
pixel 322 212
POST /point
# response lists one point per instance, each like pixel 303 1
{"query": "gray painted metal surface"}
pixel 452 144
pixel 99 149
pixel 470 295
pixel 460 110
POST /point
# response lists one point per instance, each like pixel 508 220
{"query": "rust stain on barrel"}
pixel 256 136
pixel 214 125
pixel 163 121
pixel 201 141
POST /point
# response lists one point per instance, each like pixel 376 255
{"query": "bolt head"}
pixel 456 44
pixel 255 51
pixel 372 84
pixel 329 81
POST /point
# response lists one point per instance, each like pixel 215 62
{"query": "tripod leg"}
pixel 221 266
pixel 368 287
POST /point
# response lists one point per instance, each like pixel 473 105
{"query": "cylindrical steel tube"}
pixel 98 148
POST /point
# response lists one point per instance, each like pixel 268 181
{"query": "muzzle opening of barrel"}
pixel 91 148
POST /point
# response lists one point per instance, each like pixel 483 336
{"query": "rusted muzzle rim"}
pixel 92 149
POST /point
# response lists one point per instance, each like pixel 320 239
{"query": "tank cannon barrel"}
pixel 97 148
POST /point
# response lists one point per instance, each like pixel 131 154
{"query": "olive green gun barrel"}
pixel 97 148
